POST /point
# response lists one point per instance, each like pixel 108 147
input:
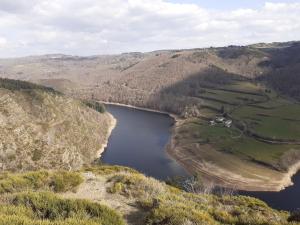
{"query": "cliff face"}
pixel 41 128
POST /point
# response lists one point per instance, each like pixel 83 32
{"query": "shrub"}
pixel 17 220
pixel 295 216
pixel 37 155
pixel 44 208
pixel 223 217
pixel 177 213
pixel 13 85
pixel 96 106
pixel 116 188
pixel 136 185
pixel 59 181
pixel 65 181
pixel 108 169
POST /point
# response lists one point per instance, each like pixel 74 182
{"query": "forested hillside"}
pixel 141 78
pixel 42 128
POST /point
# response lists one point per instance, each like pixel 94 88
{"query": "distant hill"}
pixel 42 128
pixel 137 78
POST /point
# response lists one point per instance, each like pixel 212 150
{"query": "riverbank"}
pixel 292 171
pixel 225 169
pixel 111 127
pixel 175 117
pixel 220 168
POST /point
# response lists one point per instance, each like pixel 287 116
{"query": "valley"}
pixel 234 126
pixel 138 112
pixel 239 83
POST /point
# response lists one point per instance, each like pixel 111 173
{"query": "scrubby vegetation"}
pixel 95 105
pixel 177 209
pixel 167 205
pixel 18 85
pixel 108 169
pixel 33 198
pixel 44 208
pixel 60 181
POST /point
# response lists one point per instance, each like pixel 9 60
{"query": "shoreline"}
pixel 226 178
pixel 175 117
pixel 170 149
pixel 287 178
pixel 218 178
pixel 111 127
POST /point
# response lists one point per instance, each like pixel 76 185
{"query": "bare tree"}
pixel 196 185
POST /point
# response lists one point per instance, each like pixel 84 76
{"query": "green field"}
pixel 265 127
pixel 231 96
pixel 232 141
pixel 281 122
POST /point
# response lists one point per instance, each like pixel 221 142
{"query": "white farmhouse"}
pixel 220 119
pixel 228 123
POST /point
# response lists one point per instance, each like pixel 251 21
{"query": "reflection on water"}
pixel 138 141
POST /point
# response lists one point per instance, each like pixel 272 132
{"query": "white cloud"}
pixel 99 27
pixel 3 42
pixel 17 6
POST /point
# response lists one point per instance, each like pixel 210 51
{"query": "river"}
pixel 139 141
pixel 287 199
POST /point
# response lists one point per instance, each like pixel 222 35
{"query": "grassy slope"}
pixel 264 115
pixel 280 122
pixel 263 141
pixel 29 198
pixel 141 200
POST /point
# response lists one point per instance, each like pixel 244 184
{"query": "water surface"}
pixel 139 141
pixel 287 199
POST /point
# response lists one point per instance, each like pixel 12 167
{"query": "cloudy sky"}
pixel 89 27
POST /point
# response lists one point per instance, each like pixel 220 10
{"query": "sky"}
pixel 94 27
pixel 231 4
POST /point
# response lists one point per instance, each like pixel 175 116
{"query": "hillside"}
pixel 111 195
pixel 141 78
pixel 42 128
pixel 256 87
